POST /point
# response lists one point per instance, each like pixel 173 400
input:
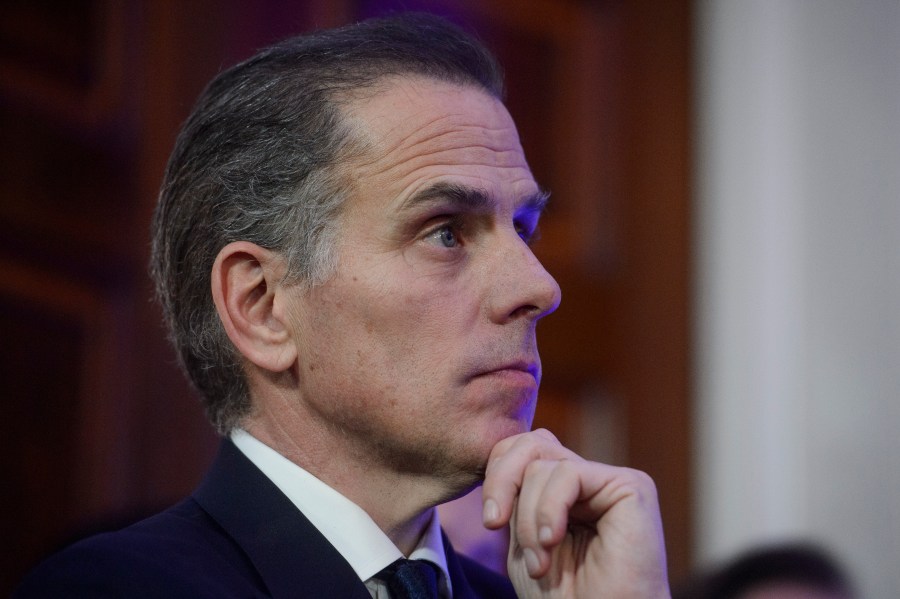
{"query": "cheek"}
pixel 389 321
pixel 428 308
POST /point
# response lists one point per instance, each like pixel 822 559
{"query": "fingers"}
pixel 552 498
pixel 549 491
pixel 551 502
pixel 506 471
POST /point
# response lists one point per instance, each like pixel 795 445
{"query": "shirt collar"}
pixel 346 525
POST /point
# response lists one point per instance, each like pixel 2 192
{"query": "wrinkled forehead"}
pixel 400 112
pixel 415 131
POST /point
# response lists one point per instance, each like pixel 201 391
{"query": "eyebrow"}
pixel 471 198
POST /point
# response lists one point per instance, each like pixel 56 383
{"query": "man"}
pixel 341 250
pixel 795 570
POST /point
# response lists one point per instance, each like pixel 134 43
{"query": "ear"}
pixel 248 292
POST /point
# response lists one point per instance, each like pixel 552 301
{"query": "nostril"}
pixel 526 312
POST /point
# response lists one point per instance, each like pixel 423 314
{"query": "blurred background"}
pixel 724 226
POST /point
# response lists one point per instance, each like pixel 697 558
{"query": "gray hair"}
pixel 260 159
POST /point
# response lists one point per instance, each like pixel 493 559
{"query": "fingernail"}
pixel 532 563
pixel 491 511
pixel 545 534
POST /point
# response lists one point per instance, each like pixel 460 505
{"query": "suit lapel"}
pixel 461 587
pixel 290 554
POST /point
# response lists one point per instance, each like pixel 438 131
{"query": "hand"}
pixel 577 528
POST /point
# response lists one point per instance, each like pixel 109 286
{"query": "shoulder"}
pixel 180 552
pixel 484 581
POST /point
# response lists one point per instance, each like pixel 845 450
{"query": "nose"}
pixel 522 287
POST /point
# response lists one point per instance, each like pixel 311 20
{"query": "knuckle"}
pixel 641 478
pixel 567 467
pixel 640 481
pixel 534 467
pixel 546 434
pixel 503 446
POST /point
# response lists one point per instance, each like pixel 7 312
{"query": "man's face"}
pixel 420 350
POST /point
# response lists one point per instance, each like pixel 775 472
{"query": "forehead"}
pixel 418 132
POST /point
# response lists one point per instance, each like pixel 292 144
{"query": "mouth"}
pixel 508 389
pixel 522 370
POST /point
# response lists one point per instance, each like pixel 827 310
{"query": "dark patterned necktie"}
pixel 411 579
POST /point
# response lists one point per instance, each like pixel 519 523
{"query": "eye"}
pixel 527 232
pixel 525 235
pixel 445 235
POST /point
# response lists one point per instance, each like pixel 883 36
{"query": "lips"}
pixel 515 369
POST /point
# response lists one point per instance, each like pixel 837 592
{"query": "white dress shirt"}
pixel 346 525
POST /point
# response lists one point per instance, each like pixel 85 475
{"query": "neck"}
pixel 400 504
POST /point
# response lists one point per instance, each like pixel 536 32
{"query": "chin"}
pixel 467 472
pixel 510 427
pixel 497 431
pixel 517 422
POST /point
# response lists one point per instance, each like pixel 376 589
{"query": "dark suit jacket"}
pixel 236 536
